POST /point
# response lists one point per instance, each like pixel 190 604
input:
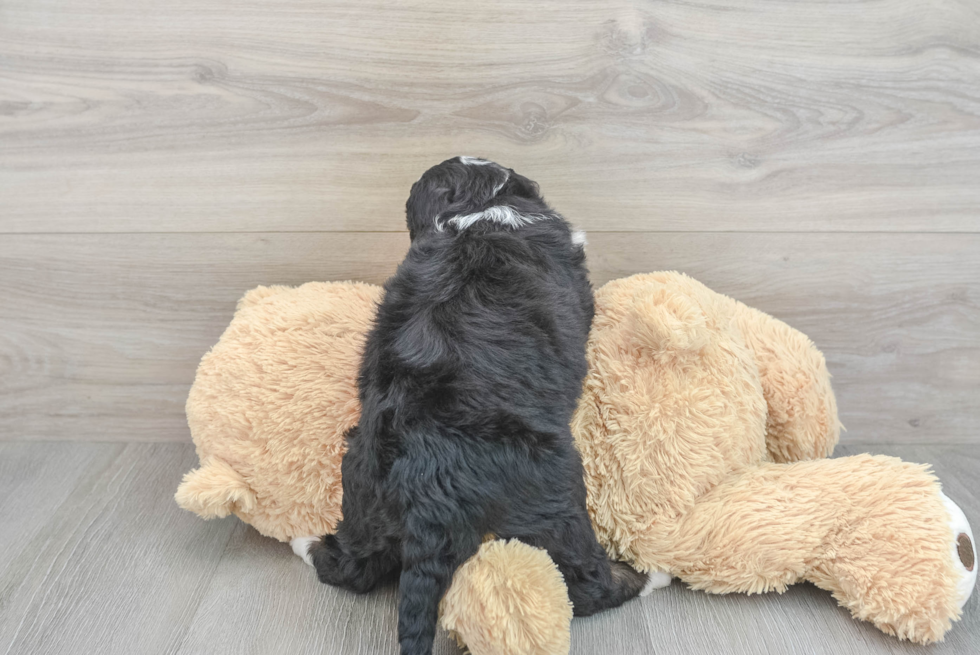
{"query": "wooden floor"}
pixel 819 160
pixel 99 559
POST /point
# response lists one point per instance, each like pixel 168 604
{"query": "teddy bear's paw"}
pixel 964 549
pixel 301 546
pixel 656 580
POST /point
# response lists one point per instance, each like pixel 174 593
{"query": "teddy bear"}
pixel 704 428
pixel 268 410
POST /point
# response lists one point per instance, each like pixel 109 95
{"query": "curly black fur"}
pixel 469 380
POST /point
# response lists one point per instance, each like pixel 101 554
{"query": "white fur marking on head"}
pixel 473 161
pixel 500 214
pixel 578 238
pixel 301 546
pixel 657 580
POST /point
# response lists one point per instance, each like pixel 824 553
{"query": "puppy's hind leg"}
pixel 365 549
pixel 594 582
pixel 359 572
pixel 301 547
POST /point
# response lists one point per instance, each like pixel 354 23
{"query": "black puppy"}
pixel 469 380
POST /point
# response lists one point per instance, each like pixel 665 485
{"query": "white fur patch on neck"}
pixel 579 239
pixel 473 161
pixel 501 214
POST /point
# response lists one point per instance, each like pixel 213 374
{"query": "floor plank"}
pixel 124 115
pixel 106 562
pixel 117 568
pixel 281 607
pixel 100 334
pixel 35 481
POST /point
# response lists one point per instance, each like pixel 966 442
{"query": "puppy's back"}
pixel 487 318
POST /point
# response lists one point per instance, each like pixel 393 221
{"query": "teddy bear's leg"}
pixel 802 421
pixel 875 531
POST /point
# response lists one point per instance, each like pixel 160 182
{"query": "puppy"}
pixel 468 383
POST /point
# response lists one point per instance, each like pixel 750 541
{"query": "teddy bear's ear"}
pixel 214 491
pixel 667 321
pixel 258 294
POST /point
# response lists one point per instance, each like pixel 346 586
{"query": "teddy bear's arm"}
pixel 802 421
pixel 875 531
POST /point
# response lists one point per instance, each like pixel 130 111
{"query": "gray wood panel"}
pixel 111 565
pixel 35 481
pixel 117 567
pixel 100 334
pixel 135 115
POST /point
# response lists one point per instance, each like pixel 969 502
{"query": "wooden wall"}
pixel 818 160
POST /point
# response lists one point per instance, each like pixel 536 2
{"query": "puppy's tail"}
pixel 215 490
pixel 432 550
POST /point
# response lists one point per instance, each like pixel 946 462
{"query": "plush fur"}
pixel 696 421
pixel 271 403
pixel 486 596
pixel 469 380
pixel 717 403
pixel 272 459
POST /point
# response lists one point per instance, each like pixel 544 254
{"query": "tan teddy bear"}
pixel 704 426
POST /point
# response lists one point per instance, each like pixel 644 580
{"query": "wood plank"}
pixel 35 480
pixel 264 599
pixel 125 115
pixel 100 334
pixel 118 568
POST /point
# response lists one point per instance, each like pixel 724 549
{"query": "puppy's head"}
pixel 465 186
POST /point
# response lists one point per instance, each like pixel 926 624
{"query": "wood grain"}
pixel 818 160
pixel 280 607
pixel 109 564
pixel 35 480
pixel 100 335
pixel 129 116
pixel 117 568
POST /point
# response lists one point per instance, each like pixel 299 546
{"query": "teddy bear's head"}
pixel 271 403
